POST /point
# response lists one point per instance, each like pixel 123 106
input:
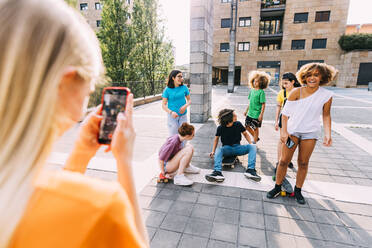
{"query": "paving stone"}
pixel 299 213
pixel 361 237
pixel 151 232
pixel 280 240
pixel 330 244
pixel 353 208
pixel 199 227
pixel 153 218
pixel 173 222
pixel 279 224
pixel 219 244
pixel 327 217
pixel 181 208
pixel 145 201
pixel 275 209
pixel 230 191
pixel 196 187
pixel 165 239
pixel 302 242
pixel 229 202
pixel 224 232
pixel 321 204
pixel 357 221
pixel 254 220
pixel 186 196
pixel 252 237
pixel 336 233
pixel 203 212
pixel 161 205
pixel 212 189
pixel 206 199
pixel 170 194
pixel 150 191
pixel 306 229
pixel 227 216
pixel 189 241
pixel 251 206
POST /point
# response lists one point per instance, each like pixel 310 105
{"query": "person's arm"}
pixel 122 148
pixel 260 117
pixel 277 113
pixel 327 122
pixel 215 143
pixel 246 136
pixel 246 110
pixel 166 109
pixel 184 107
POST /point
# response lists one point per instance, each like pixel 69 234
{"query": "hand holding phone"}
pixel 114 101
pixel 290 143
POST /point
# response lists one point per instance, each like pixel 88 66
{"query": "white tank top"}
pixel 305 114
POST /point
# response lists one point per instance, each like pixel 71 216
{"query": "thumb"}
pixel 120 120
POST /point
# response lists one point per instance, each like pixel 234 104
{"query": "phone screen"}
pixel 113 102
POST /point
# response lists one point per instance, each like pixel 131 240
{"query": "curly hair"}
pixel 263 78
pixel 225 116
pixel 327 72
pixel 186 129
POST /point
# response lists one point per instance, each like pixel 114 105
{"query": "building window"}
pixel 304 62
pixel 98 23
pixel 271 26
pixel 269 45
pixel 98 6
pixel 319 43
pixel 244 21
pixel 244 46
pixel 298 44
pixel 225 23
pixel 300 17
pixel 224 47
pixel 322 16
pixel 244 0
pixel 83 6
pixel 225 1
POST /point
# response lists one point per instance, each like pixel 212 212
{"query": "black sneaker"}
pixel 216 176
pixel 290 165
pixel 251 174
pixel 274 192
pixel 297 193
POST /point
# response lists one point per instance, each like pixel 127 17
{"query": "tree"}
pixel 355 42
pixel 116 37
pixel 72 3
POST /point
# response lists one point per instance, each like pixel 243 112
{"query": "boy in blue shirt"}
pixel 230 131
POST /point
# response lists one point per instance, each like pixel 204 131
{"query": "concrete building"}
pixel 359 28
pixel 277 36
pixel 92 9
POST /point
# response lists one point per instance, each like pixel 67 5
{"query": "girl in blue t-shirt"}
pixel 176 99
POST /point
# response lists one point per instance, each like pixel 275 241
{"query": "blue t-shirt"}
pixel 176 98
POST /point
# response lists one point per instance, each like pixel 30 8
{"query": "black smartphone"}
pixel 114 101
pixel 289 143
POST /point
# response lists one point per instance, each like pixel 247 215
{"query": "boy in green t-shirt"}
pixel 258 81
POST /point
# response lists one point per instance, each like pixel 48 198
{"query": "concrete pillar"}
pixel 201 52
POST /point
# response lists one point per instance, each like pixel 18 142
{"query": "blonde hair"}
pixel 263 78
pixel 328 73
pixel 39 40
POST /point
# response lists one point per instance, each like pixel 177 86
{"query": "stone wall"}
pixel 348 75
pixel 201 41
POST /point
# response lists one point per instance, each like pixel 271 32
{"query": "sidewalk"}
pixel 237 213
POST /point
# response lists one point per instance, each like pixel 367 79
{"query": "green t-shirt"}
pixel 256 99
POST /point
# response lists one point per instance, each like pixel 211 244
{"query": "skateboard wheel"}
pixel 274 178
pixel 232 166
pixel 165 180
pixel 283 193
pixel 292 194
pixel 159 180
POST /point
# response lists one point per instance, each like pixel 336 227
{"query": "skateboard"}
pixel 287 189
pixel 230 161
pixel 162 179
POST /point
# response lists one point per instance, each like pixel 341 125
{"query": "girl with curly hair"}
pixel 301 122
pixel 258 81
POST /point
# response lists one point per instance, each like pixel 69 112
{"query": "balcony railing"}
pixel 265 4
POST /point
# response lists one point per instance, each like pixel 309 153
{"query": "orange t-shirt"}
pixel 68 209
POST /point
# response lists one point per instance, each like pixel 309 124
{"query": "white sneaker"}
pixel 182 180
pixel 192 169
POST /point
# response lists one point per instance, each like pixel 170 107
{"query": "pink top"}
pixel 170 148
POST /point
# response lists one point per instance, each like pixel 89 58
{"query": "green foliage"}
pixel 134 50
pixel 72 3
pixel 355 42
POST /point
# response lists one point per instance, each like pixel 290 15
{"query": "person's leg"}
pixel 216 175
pixel 251 150
pixel 172 125
pixel 285 158
pixel 280 144
pixel 180 120
pixel 305 150
pixel 180 160
pixel 256 133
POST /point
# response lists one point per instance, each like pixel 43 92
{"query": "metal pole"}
pixel 232 46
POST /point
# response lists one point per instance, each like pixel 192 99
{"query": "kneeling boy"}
pixel 230 131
